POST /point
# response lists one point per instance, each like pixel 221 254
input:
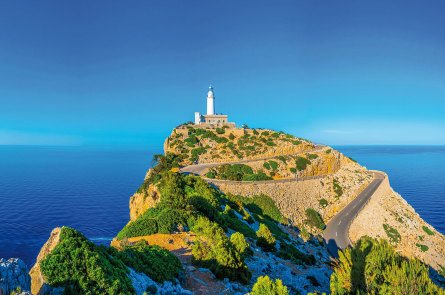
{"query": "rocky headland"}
pixel 224 207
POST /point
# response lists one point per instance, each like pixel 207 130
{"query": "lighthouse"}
pixel 212 120
pixel 210 101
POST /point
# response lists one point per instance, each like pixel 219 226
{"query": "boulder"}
pixel 14 277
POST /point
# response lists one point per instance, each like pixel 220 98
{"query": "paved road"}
pixel 337 229
pixel 199 169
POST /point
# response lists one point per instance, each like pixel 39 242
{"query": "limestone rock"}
pixel 141 202
pixel 386 207
pixel 38 283
pixel 14 276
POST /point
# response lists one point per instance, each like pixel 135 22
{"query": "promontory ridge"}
pixel 239 210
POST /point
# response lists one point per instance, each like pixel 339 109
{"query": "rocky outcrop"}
pixel 141 202
pixel 38 282
pixel 14 277
pixel 387 215
pixel 236 144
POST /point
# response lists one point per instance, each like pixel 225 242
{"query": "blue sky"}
pixel 118 73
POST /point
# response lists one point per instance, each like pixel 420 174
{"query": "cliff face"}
pixel 141 202
pixel 389 216
pixel 38 282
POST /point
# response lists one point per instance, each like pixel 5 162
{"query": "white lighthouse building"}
pixel 210 102
pixel 211 119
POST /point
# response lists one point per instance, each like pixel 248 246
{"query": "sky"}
pixel 125 73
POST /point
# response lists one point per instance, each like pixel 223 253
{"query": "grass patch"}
pixel 301 163
pixel 423 248
pixel 313 218
pixel 392 233
pixel 428 231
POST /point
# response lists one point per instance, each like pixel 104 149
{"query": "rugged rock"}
pixel 38 283
pixel 14 277
pixel 409 233
pixel 141 202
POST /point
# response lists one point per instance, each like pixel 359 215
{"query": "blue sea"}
pixel 89 189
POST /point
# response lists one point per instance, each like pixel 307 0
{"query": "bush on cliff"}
pixel 289 252
pixel 264 285
pixel 266 240
pixel 313 218
pixel 373 267
pixel 81 267
pixel 214 250
pixel 301 163
pixel 239 242
pixel 156 262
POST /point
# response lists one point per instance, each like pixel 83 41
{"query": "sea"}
pixel 89 188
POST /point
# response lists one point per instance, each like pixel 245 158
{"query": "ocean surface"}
pixel 45 187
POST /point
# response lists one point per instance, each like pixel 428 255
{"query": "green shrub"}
pixel 220 130
pixel 239 242
pixel 270 143
pixel 392 233
pixel 427 230
pixel 266 240
pixel 282 158
pixel 231 136
pixel 81 267
pixel 373 267
pixel 423 248
pixel 229 220
pixel 266 165
pixel 214 250
pixel 328 151
pixel 312 156
pixel 156 262
pixel 301 163
pixel 211 174
pixel 313 218
pixel 265 286
pixel 293 170
pixel 273 165
pixel 289 252
pixel 323 203
pixel 263 205
pixel 256 176
pixel 337 188
pixel 142 226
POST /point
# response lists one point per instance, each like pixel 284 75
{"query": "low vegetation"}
pixel 81 267
pixel 301 163
pixel 266 240
pixel 266 286
pixel 338 190
pixel 253 142
pixel 428 231
pixel 215 251
pixel 392 233
pixel 236 172
pixel 314 219
pixel 373 267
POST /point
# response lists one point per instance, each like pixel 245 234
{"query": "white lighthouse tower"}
pixel 210 101
pixel 211 120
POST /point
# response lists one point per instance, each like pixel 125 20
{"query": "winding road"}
pixel 336 232
pixel 337 229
